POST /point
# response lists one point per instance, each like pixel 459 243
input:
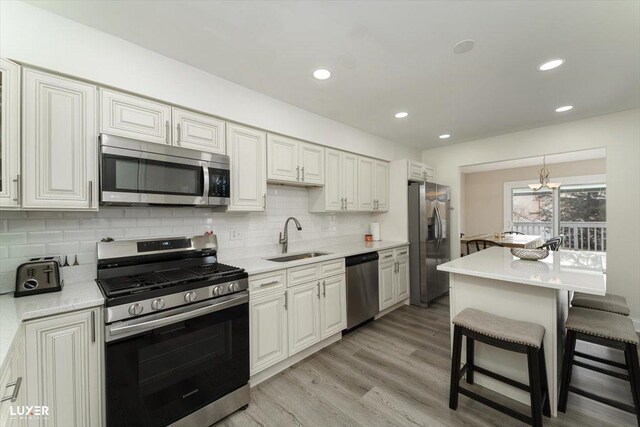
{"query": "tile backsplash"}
pixel 30 234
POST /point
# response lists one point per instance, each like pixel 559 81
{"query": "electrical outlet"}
pixel 235 235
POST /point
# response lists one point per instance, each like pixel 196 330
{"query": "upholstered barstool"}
pixel 609 330
pixel 508 334
pixel 610 302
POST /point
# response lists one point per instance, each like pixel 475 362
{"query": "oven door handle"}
pixel 157 323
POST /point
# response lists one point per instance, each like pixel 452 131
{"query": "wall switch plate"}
pixel 234 235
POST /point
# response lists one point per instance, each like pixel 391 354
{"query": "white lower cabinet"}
pixel 12 387
pixel 64 356
pixel 333 306
pixel 304 316
pixel 268 320
pixel 393 277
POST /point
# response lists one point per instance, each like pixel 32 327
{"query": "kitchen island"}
pixel 495 281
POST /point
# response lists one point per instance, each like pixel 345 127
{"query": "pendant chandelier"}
pixel 544 178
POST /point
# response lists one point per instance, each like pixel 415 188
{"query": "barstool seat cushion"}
pixel 601 324
pixel 609 302
pixel 502 328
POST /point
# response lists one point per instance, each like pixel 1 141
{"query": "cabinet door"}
pixel 350 180
pixel 416 171
pixel 65 356
pixel 9 134
pixel 386 283
pixel 134 117
pixel 246 148
pixel 402 277
pixel 282 159
pixel 268 317
pixel 430 173
pixel 366 183
pixel 304 316
pixel 333 310
pixel 60 143
pixel 311 160
pixel 198 132
pixel 381 188
pixel 334 199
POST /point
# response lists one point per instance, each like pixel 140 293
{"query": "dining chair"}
pixel 480 244
pixel 554 243
pixel 512 232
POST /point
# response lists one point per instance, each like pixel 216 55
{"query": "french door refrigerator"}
pixel 429 241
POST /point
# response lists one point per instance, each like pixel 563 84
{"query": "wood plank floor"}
pixel 395 372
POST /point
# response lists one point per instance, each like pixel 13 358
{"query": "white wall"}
pixel 619 134
pixel 37 37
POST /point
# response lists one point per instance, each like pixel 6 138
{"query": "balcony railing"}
pixel 584 236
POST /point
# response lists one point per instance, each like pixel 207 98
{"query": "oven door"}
pixel 138 177
pixel 165 366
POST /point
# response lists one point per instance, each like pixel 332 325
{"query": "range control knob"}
pixel 230 287
pixel 135 309
pixel 157 304
pixel 217 291
pixel 190 296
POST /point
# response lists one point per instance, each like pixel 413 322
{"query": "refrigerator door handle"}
pixel 439 227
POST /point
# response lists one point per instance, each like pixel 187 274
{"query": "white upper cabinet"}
pixel 350 181
pixel 421 172
pixel 198 131
pixel 9 135
pixel 340 190
pixel 366 178
pixel 247 150
pixel 134 117
pixel 59 143
pixel 381 188
pixel 332 191
pixel 293 161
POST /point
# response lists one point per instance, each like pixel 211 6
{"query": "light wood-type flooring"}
pixel 395 372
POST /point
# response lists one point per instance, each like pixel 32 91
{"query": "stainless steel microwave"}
pixel 135 172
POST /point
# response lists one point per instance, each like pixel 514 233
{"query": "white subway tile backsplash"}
pixel 8 239
pixel 44 236
pixel 27 251
pixel 62 224
pixel 62 248
pixel 25 225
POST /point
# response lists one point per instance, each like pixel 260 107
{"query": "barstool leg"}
pixel 470 360
pixel 455 368
pixel 567 366
pixel 534 385
pixel 546 407
pixel 631 357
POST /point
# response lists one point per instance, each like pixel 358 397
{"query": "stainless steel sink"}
pixel 295 257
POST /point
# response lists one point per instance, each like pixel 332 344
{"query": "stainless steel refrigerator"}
pixel 429 206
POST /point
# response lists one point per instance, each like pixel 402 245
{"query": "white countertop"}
pixel 566 270
pixel 257 265
pixel 14 311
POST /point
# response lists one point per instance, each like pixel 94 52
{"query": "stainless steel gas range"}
pixel 177 332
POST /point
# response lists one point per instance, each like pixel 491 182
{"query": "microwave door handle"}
pixel 157 323
pixel 205 175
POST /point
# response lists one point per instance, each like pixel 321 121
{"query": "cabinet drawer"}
pixel 302 274
pixel 273 281
pixel 401 253
pixel 330 268
pixel 385 256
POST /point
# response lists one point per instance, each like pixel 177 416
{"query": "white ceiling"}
pixel 390 56
pixel 572 156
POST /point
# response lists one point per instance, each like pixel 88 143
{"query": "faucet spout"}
pixel 284 236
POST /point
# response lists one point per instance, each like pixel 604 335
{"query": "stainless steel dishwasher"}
pixel 362 288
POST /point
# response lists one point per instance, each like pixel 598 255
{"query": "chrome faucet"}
pixel 284 237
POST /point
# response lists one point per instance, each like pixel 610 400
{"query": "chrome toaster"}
pixel 37 276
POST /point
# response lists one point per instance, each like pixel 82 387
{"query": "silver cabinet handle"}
pixel 324 289
pixel 166 129
pixel 93 326
pixel 342 203
pixel 90 193
pixel 403 253
pixel 297 173
pixel 264 201
pixel 286 300
pixel 273 282
pixel 16 389
pixel 388 256
pixel 179 133
pixel 318 290
pixel 18 188
pixel 303 174
pixel 345 203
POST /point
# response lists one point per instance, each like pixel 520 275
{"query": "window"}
pixel 582 211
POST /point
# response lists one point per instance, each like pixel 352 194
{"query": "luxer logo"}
pixel 24 411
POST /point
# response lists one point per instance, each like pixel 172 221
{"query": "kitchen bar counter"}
pixel 257 265
pixel 495 281
pixel 14 311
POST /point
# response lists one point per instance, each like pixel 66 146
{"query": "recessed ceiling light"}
pixel 563 109
pixel 322 74
pixel 401 115
pixel 444 136
pixel 464 46
pixel 550 65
